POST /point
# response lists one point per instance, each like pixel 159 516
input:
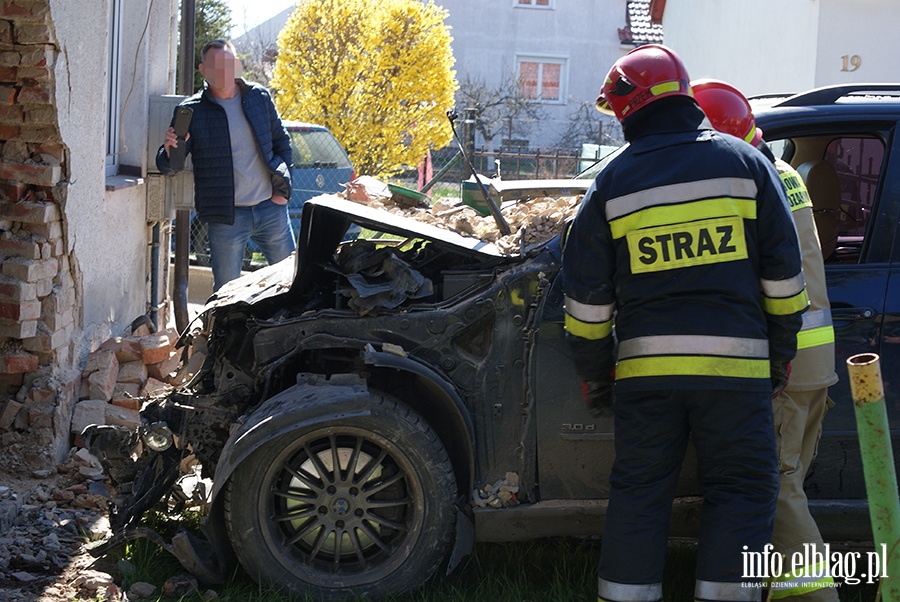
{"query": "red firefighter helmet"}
pixel 727 109
pixel 644 75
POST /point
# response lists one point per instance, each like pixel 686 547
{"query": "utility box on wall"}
pixel 179 189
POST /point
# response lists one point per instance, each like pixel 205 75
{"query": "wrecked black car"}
pixel 369 410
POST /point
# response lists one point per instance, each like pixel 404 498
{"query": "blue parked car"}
pixel 321 166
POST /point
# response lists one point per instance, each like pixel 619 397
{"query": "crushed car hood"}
pixel 325 221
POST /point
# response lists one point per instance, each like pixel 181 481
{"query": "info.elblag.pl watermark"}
pixel 812 563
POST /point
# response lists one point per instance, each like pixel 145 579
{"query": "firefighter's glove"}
pixel 781 373
pixel 598 397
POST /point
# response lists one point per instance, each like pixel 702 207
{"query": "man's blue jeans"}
pixel 266 223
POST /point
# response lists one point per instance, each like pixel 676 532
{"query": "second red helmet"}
pixel 727 109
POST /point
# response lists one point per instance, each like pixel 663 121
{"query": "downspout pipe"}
pixel 154 277
pixel 183 216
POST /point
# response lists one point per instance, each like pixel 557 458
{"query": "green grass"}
pixel 557 570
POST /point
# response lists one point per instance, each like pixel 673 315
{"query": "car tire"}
pixel 380 525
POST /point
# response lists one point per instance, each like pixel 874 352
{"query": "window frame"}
pixel 532 4
pixel 541 60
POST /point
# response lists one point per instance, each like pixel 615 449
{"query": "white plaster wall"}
pixel 760 46
pixel 865 28
pixel 107 231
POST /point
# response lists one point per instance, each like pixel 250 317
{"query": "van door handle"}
pixel 852 313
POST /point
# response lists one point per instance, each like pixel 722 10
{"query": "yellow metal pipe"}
pixel 867 390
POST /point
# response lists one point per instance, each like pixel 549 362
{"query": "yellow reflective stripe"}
pixel 803 581
pixel 749 137
pixel 798 196
pixel 815 337
pixel 692 366
pixel 664 215
pixel 805 588
pixel 665 88
pixel 786 305
pixel 588 330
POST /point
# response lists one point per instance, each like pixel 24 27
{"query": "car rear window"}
pixel 317 148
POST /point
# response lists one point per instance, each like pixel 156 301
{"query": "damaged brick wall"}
pixel 38 310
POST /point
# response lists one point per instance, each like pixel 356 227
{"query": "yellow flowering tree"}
pixel 377 73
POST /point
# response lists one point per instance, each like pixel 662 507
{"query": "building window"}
pixel 533 3
pixel 542 79
pixel 112 90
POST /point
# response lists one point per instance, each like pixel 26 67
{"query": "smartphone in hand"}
pixel 180 125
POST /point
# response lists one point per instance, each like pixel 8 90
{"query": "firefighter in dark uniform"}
pixel 685 243
pixel 800 408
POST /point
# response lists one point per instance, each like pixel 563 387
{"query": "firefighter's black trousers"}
pixel 737 466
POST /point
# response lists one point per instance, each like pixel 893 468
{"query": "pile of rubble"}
pixel 123 372
pixel 531 220
pixel 46 528
pixel 43 527
pixel 499 494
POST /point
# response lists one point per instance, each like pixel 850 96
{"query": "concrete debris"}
pixel 532 220
pixel 44 525
pixel 499 494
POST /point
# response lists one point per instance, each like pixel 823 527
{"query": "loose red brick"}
pixel 100 385
pixel 162 370
pixel 132 372
pixel 126 349
pixel 130 403
pixel 154 387
pixel 126 393
pixel 88 412
pixel 8 74
pixel 155 348
pixel 102 359
pixel 118 415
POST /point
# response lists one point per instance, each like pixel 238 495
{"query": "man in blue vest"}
pixel 242 164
